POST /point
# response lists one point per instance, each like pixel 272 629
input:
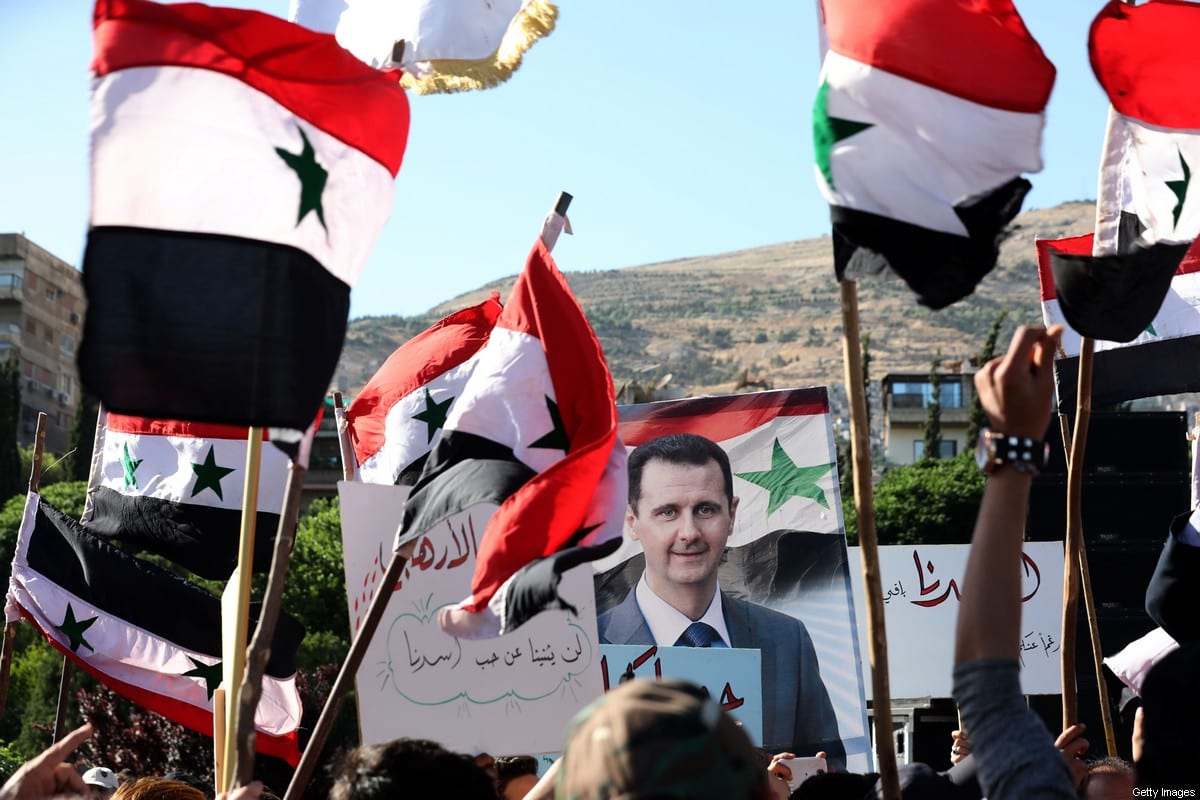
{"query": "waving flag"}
pixel 926 116
pixel 398 416
pixel 140 630
pixel 175 488
pixel 535 429
pixel 1144 59
pixel 242 168
pixel 1161 359
pixel 442 45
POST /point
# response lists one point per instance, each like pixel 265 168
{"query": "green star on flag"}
pixel 211 673
pixel 209 475
pixel 312 179
pixel 557 438
pixel 1179 189
pixel 130 466
pixel 434 414
pixel 74 628
pixel 828 131
pixel 785 480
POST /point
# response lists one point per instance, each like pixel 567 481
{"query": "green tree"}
pixel 933 501
pixel 978 420
pixel 66 497
pixel 933 413
pixel 83 434
pixel 11 480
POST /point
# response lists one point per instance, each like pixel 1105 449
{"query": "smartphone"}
pixel 802 769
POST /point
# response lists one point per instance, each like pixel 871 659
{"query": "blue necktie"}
pixel 699 634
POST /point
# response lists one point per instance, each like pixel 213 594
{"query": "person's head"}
pixel 101 782
pixel 1108 778
pixel 409 768
pixel 157 789
pixel 662 740
pixel 193 781
pixel 1168 733
pixel 681 509
pixel 516 775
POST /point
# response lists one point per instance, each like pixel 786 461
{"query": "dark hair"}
pixel 677 448
pixel 409 768
pixel 1110 765
pixel 509 767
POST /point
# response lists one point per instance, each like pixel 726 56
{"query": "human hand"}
pixel 961 747
pixel 251 791
pixel 780 774
pixel 47 774
pixel 1015 390
pixel 1072 745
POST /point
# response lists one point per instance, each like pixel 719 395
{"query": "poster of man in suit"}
pixel 734 538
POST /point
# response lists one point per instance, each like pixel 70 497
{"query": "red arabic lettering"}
pixel 931 588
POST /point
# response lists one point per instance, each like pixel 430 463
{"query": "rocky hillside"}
pixel 770 315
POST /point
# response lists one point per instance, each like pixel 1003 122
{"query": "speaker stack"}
pixel 1136 479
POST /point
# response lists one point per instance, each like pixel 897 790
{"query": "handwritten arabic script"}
pixel 1031 581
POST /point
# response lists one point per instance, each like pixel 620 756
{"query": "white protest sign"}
pixel 509 695
pixel 921 595
pixel 732 676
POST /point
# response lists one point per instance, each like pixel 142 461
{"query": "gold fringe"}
pixel 532 22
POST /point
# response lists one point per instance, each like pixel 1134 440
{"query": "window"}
pixel 9 280
pixel 66 343
pixel 948 448
pixel 919 394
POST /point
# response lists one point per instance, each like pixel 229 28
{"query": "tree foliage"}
pixel 933 413
pixel 978 420
pixel 83 435
pixel 933 501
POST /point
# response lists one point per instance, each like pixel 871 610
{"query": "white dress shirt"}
pixel 668 623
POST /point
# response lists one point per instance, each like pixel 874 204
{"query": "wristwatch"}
pixel 994 450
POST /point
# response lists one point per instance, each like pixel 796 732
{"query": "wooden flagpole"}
pixel 864 502
pixel 1081 573
pixel 264 633
pixel 10 628
pixel 345 448
pixel 341 684
pixel 218 737
pixel 245 572
pixel 1074 543
pixel 358 647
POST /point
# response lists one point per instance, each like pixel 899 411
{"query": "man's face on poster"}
pixel 683 520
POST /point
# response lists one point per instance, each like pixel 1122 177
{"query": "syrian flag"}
pixel 445 45
pixel 535 431
pixel 140 630
pixel 1163 358
pixel 398 416
pixel 926 116
pixel 175 489
pixel 784 461
pixel 242 168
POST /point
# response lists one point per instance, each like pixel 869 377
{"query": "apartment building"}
pixel 41 321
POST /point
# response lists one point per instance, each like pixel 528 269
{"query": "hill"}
pixel 769 313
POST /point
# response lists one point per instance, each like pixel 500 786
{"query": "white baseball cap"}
pixel 101 776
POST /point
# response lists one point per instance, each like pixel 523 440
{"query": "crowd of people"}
pixel 670 739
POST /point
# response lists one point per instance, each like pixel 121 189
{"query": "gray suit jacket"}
pixel 797 713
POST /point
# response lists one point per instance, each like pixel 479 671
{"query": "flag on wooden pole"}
pixel 926 115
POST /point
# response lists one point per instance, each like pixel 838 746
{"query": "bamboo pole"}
pixel 264 633
pixel 345 448
pixel 1074 542
pixel 341 684
pixel 245 572
pixel 64 689
pixel 219 739
pixel 10 629
pixel 864 502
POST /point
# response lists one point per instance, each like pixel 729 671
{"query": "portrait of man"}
pixel 682 511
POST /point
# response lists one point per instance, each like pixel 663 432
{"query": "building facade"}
pixel 906 398
pixel 41 321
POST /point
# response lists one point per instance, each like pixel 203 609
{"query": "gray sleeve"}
pixel 1014 752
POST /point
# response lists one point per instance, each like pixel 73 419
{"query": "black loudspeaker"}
pixel 1126 443
pixel 1137 508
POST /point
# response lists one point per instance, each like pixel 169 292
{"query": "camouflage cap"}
pixel 658 739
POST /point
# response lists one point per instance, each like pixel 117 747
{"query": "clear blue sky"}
pixel 682 129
